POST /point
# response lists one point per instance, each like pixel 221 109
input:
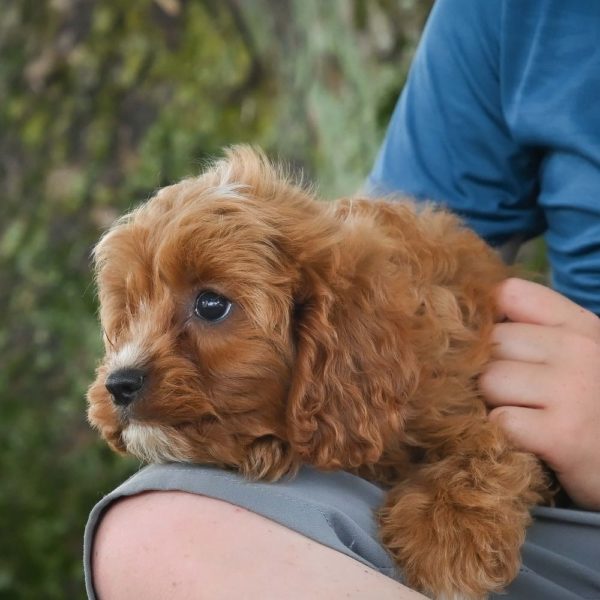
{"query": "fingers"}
pixel 525 427
pixel 523 342
pixel 527 363
pixel 513 383
pixel 527 302
pixel 533 365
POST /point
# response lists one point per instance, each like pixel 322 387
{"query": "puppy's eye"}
pixel 211 306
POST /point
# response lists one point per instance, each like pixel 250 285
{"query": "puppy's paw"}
pixel 451 550
pixel 268 457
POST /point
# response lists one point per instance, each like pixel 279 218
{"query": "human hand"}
pixel 543 383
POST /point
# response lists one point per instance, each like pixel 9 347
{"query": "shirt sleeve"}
pixel 499 121
pixel 448 140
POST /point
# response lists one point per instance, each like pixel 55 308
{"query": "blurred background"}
pixel 101 102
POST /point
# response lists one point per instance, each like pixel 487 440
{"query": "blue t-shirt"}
pixel 500 120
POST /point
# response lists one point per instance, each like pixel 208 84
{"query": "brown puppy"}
pixel 249 326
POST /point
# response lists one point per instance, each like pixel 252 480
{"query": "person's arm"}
pixel 182 546
pixel 543 384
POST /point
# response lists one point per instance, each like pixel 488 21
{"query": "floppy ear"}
pixel 349 369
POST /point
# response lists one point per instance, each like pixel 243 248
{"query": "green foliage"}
pixel 101 102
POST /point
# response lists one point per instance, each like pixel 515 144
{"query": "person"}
pixel 497 119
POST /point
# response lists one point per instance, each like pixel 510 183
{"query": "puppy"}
pixel 249 326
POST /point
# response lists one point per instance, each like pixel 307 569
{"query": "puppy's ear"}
pixel 342 391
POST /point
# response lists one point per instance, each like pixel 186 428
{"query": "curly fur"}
pixel 358 332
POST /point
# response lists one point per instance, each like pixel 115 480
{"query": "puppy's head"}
pixel 217 309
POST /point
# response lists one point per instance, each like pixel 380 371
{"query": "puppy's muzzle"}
pixel 125 385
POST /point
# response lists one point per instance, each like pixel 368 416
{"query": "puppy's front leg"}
pixel 456 525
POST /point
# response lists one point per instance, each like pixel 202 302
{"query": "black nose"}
pixel 124 385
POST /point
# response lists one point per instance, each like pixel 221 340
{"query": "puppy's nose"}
pixel 124 385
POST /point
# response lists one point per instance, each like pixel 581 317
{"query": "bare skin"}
pixel 181 546
pixel 544 383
